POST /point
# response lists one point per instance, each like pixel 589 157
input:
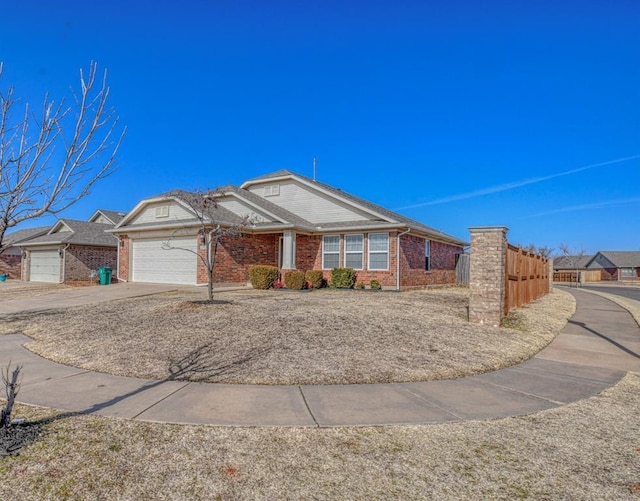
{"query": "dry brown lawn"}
pixel 275 337
pixel 589 450
pixel 12 289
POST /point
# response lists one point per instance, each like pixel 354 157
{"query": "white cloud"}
pixel 515 184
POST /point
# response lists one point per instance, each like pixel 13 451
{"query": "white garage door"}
pixel 151 263
pixel 45 266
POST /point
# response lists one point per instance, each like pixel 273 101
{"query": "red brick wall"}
pixel 123 260
pixel 11 265
pixel 609 274
pixel 236 254
pixel 443 261
pixel 309 252
pixel 80 260
pixel 412 262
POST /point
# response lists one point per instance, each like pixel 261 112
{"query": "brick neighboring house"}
pixel 11 256
pixel 71 250
pixel 616 265
pixel 296 223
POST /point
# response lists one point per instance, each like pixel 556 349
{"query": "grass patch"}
pixel 327 337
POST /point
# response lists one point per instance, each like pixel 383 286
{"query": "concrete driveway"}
pixel 64 297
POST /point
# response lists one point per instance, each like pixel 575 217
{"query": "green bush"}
pixel 315 278
pixel 343 278
pixel 359 284
pixel 263 276
pixel 375 285
pixel 294 280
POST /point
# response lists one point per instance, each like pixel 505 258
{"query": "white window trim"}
pixel 369 252
pixel 162 211
pixel 272 190
pixel 331 252
pixel 361 251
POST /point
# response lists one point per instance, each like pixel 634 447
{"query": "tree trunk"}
pixel 11 387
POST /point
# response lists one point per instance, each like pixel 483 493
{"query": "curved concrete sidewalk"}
pixel 596 348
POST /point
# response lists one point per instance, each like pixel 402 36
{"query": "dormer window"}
pixel 162 211
pixel 273 190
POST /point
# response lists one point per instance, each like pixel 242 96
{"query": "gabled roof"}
pixel 572 262
pixel 283 215
pixel 220 214
pixel 71 231
pixel 15 237
pixel 384 215
pixel 622 259
pixel 114 216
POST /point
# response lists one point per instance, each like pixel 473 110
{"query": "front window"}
pixel 628 272
pixel 427 255
pixel 353 249
pixel 378 251
pixel 330 252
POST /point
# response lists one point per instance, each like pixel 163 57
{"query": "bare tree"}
pixel 11 386
pixel 50 159
pixel 573 258
pixel 543 250
pixel 214 224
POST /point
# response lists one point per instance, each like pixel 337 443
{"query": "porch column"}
pixel 289 250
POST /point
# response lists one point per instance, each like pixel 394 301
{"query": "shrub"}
pixel 294 280
pixel 263 276
pixel 315 278
pixel 359 284
pixel 343 278
pixel 375 285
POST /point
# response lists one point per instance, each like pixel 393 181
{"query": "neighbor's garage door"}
pixel 151 263
pixel 45 266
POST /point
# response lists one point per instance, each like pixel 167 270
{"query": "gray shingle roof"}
pixel 623 259
pixel 82 233
pixel 572 262
pixel 114 216
pixel 389 215
pixel 16 237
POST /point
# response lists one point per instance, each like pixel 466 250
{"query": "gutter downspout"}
pixel 64 263
pixel 398 257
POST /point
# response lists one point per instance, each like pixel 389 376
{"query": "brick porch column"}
pixel 487 274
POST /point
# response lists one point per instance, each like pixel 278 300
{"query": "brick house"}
pixel 11 256
pixel 71 250
pixel 616 265
pixel 296 223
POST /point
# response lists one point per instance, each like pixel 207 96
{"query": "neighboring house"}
pixel 296 223
pixel 71 250
pixel 616 265
pixel 566 269
pixel 11 257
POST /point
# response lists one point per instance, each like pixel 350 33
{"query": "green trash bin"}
pixel 105 275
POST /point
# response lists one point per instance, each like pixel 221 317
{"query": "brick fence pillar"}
pixel 550 271
pixel 487 274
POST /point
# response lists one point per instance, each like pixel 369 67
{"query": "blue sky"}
pixel 458 113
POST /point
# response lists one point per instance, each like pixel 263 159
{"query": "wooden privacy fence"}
pixel 462 269
pixel 572 276
pixel 526 277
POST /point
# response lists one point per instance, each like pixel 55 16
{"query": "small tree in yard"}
pixel 573 257
pixel 11 382
pixel 211 228
pixel 50 159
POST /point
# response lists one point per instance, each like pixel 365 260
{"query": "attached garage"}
pixel 44 266
pixel 150 262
